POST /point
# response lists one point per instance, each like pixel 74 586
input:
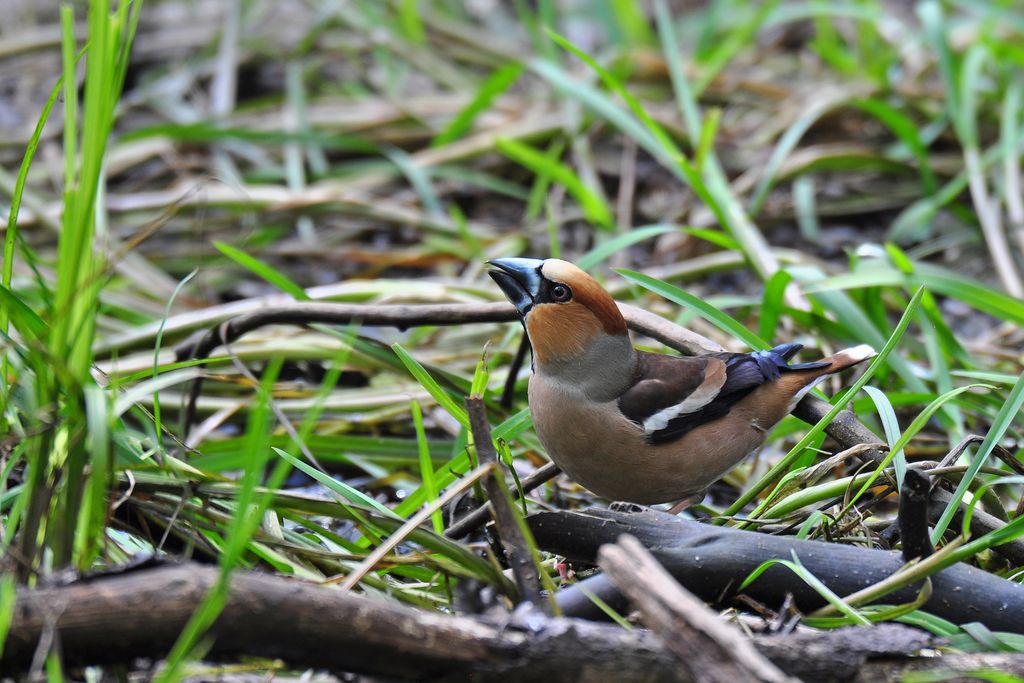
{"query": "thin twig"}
pixel 707 647
pixel 381 551
pixel 476 518
pixel 971 439
pixel 509 391
pixel 627 189
pixel 404 316
pixel 988 212
pixel 511 528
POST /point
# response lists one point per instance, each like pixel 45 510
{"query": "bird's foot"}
pixel 627 507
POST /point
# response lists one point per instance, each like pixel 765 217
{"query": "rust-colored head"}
pixel 564 309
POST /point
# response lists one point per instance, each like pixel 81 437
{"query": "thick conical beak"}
pixel 519 279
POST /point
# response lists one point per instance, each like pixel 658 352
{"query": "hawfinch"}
pixel 636 426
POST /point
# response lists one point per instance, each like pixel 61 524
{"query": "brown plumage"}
pixel 637 426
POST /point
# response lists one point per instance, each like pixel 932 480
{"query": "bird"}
pixel 634 426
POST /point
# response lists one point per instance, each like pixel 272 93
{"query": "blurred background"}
pixel 356 139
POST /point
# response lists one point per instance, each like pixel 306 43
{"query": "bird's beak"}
pixel 519 279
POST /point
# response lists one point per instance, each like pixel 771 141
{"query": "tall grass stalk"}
pixel 68 454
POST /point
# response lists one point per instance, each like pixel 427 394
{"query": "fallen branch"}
pixel 968 667
pixel 707 647
pixel 99 621
pixel 712 561
pixel 847 653
pixel 120 618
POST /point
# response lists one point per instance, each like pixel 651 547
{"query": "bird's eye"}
pixel 560 293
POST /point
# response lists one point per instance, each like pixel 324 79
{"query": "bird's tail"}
pixel 774 362
pixel 805 376
pixel 847 358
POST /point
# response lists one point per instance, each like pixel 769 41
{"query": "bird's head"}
pixel 574 325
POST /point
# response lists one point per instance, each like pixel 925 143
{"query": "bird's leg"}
pixel 680 505
pixel 686 502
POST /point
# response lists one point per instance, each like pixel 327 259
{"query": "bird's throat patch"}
pixel 560 332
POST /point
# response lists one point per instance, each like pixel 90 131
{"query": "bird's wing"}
pixel 673 394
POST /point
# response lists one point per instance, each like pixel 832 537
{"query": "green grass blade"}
pixel 1009 412
pixel 891 426
pixel 772 303
pixel 726 49
pixel 347 492
pixel 11 237
pixel 615 85
pixel 419 178
pixel 604 250
pixel 33 328
pixel 430 384
pixel 8 595
pixel 911 431
pixel 811 580
pixel 426 467
pixel 497 83
pixel 248 512
pixel 724 322
pixel 157 345
pixel 262 270
pixel 907 131
pixel 788 142
pixel 685 99
pixel 594 206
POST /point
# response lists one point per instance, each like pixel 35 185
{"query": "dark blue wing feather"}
pixel 744 373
